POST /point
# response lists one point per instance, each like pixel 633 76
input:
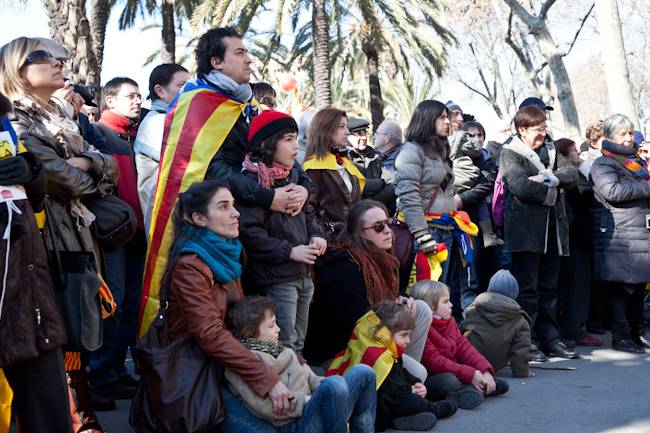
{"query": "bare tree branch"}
pixel 575 38
pixel 544 9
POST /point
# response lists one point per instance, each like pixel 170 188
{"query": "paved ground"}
pixel 608 392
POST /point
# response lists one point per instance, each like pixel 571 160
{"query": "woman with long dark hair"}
pixel 358 273
pixel 336 182
pixel 426 199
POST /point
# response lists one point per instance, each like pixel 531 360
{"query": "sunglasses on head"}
pixel 379 226
pixel 39 57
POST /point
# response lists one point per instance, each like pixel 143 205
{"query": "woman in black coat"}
pixel 622 229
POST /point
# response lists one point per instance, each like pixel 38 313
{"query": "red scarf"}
pixel 119 124
pixel 266 175
pixel 338 155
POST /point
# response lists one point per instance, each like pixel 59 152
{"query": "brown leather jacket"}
pixel 197 307
pixel 330 197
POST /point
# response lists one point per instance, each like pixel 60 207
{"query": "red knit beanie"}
pixel 267 123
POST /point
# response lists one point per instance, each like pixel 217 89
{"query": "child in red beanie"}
pixel 281 247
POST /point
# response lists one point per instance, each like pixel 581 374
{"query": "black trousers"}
pixel 537 275
pixel 626 303
pixel 40 394
pixel 574 289
pixel 409 405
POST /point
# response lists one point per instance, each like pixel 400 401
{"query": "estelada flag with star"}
pixel 198 121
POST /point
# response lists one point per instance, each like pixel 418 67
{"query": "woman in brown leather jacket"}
pixel 204 275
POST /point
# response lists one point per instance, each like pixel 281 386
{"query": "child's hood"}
pixel 497 308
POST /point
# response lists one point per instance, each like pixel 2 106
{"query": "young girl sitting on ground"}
pixel 322 405
pixel 458 371
pixel 497 326
pixel 379 340
pixel 281 246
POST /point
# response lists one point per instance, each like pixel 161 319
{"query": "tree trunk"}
pixel 320 36
pixel 376 98
pixel 69 26
pixel 538 28
pixel 613 54
pixel 168 49
pixel 99 15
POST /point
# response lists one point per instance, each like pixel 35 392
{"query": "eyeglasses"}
pixel 39 57
pixel 379 226
pixel 539 129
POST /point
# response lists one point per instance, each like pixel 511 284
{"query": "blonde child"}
pixel 379 340
pixel 457 370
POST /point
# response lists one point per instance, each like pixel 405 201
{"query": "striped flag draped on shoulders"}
pixel 198 121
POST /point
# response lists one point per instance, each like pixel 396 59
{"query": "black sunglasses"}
pixel 39 57
pixel 379 226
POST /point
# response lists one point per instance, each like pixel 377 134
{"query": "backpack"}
pixel 498 201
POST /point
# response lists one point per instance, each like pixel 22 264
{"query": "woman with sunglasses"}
pixel 29 76
pixel 358 273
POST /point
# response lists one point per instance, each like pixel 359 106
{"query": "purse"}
pixel 115 223
pixel 180 387
pixel 403 246
pixel 76 281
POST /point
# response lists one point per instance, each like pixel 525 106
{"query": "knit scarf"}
pixel 266 175
pixel 380 271
pixel 225 84
pixel 639 169
pixel 273 349
pixel 221 255
pixel 119 124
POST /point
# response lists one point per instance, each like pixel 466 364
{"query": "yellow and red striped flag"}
pixel 198 121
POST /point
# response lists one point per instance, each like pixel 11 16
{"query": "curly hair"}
pixel 211 45
pixel 594 132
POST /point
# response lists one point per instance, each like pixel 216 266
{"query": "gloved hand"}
pixel 15 170
pixel 427 244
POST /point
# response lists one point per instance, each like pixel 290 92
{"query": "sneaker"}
pixel 501 388
pixel 422 421
pixel 443 409
pixel 467 398
pixel 589 341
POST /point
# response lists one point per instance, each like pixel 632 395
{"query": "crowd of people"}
pixel 334 282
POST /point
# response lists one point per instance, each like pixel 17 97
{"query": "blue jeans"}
pixel 292 310
pixel 462 281
pixel 240 419
pixel 337 400
pixel 124 269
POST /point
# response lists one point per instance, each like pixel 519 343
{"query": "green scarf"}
pixel 273 349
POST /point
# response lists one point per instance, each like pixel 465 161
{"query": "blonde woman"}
pixel 29 76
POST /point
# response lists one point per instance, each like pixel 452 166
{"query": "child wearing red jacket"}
pixel 457 370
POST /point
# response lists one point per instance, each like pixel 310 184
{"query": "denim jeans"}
pixel 124 269
pixel 462 281
pixel 239 418
pixel 292 310
pixel 337 400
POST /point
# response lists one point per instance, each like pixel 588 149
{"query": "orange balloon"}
pixel 288 84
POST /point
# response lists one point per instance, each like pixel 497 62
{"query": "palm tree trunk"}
pixel 69 26
pixel 99 15
pixel 616 72
pixel 320 35
pixel 376 98
pixel 168 49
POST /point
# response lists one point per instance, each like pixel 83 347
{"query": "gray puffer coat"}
pixel 421 172
pixel 622 204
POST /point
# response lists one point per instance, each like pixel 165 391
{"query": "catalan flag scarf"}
pixel 463 230
pixel 198 121
pixel 368 345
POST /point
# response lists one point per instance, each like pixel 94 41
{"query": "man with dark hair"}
pixel 124 267
pixel 206 137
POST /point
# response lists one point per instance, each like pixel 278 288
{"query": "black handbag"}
pixel 180 387
pixel 115 221
pixel 77 283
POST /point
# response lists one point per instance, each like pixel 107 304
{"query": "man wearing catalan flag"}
pixel 205 136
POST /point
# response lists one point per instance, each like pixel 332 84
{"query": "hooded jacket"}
pixel 498 328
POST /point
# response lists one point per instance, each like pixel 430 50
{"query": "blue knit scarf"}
pixel 221 255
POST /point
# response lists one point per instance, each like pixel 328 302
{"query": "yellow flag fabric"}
pixel 329 163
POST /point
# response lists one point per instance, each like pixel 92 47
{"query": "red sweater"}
pixel 446 350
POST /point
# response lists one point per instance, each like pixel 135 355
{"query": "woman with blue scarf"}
pixel 203 275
